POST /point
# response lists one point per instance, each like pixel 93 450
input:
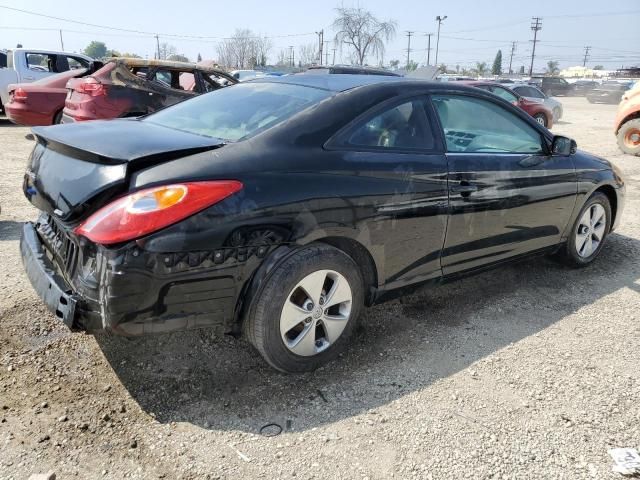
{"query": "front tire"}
pixel 541 118
pixel 589 232
pixel 629 137
pixel 305 314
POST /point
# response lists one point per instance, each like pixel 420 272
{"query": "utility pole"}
pixel 158 44
pixel 320 44
pixel 408 48
pixel 291 56
pixel 61 42
pixel 326 48
pixel 439 19
pixel 536 26
pixel 334 56
pixel 513 49
pixel 586 55
pixel 428 35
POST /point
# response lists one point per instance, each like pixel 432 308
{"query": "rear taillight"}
pixel 19 95
pixel 92 87
pixel 152 209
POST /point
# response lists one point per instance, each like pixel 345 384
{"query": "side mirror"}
pixel 563 146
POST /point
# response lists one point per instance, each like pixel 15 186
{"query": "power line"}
pixel 536 25
pixel 142 32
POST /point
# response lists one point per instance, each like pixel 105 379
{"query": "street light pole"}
pixel 439 19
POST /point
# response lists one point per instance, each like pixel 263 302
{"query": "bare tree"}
pixel 263 46
pixel 166 50
pixel 362 32
pixel 244 49
pixel 283 58
pixel 307 54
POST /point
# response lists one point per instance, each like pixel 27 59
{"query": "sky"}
pixel 472 32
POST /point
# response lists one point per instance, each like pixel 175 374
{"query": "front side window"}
pixel 240 111
pixel 40 62
pixel 404 126
pixel 475 125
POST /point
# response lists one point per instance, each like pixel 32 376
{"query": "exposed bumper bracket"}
pixel 49 286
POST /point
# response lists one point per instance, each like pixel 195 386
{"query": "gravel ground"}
pixel 530 371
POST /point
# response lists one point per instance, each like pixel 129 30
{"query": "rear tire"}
pixel 541 118
pixel 629 137
pixel 57 118
pixel 589 232
pixel 307 310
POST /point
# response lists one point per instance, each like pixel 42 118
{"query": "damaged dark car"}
pixel 280 208
pixel 132 87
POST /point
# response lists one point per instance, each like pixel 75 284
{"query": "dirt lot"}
pixel 530 371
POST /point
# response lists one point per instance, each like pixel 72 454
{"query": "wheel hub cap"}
pixel 591 230
pixel 316 313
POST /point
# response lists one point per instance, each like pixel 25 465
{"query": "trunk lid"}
pixel 75 169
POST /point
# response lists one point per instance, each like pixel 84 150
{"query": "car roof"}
pixel 335 82
pixel 349 69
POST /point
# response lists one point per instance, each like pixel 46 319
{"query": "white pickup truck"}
pixel 23 65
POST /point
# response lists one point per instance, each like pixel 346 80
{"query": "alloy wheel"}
pixel 632 138
pixel 316 312
pixel 591 230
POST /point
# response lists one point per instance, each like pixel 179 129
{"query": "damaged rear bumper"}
pixel 50 286
pixel 131 291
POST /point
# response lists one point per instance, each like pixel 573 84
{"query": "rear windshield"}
pixel 51 79
pixel 240 111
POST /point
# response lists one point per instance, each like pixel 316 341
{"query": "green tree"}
pixel 552 67
pixel 199 58
pixel 481 69
pixel 394 64
pixel 521 69
pixel 96 49
pixel 412 66
pixel 496 69
pixel 598 67
pixel 442 68
pixel 176 57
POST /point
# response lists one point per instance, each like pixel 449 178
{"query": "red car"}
pixel 540 112
pixel 131 87
pixel 41 102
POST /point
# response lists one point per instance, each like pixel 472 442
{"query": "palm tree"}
pixel 481 68
pixel 552 67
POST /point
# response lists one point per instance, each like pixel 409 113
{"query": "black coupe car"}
pixel 280 207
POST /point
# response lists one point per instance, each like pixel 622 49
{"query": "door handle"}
pixel 28 78
pixel 464 188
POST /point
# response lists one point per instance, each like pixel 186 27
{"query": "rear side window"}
pixel 41 62
pixel 475 125
pixel 504 93
pixel 403 126
pixel 240 111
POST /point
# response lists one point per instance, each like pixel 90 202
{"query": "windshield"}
pixel 240 111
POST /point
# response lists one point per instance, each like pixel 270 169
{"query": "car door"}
pixel 397 158
pixel 165 88
pixel 507 196
pixel 39 65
